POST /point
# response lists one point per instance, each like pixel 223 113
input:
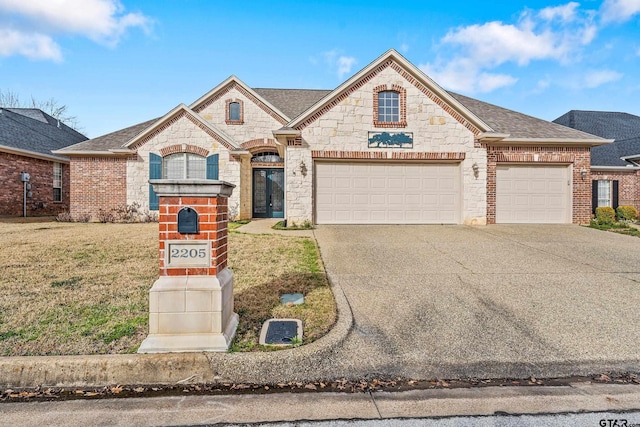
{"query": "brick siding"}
pixel 579 157
pixel 99 183
pixel 628 185
pixel 41 203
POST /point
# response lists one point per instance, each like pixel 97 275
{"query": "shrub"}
pixel 64 217
pixel 605 215
pixel 627 213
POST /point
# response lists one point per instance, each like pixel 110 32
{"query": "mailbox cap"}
pixel 192 187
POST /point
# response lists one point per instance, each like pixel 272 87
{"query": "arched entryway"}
pixel 267 185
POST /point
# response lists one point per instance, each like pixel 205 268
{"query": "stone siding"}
pixel 185 133
pixel 346 127
pixel 41 203
pixel 256 123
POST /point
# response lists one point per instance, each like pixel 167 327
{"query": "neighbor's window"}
pixel 388 106
pixel 184 166
pixel 57 182
pixel 604 193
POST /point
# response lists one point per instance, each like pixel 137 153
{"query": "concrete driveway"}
pixel 491 301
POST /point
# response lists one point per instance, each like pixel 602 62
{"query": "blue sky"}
pixel 118 63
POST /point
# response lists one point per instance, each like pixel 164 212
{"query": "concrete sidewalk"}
pixel 247 408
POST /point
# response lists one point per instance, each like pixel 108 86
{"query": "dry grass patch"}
pixel 72 288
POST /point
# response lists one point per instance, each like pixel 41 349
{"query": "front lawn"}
pixel 73 288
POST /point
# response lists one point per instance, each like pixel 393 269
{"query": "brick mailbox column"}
pixel 191 303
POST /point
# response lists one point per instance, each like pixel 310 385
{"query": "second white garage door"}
pixel 533 194
pixel 387 193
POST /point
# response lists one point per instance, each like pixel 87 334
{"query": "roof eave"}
pixel 55 157
pixel 417 73
pixel 553 141
pixel 97 153
pixel 615 168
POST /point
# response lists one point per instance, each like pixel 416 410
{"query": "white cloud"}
pixel 335 61
pixel 566 13
pixel 38 22
pixel 345 63
pixel 404 47
pixel 597 78
pixel 619 10
pixel 554 33
pixel 33 46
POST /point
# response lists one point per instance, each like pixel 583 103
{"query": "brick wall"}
pixel 628 185
pixel 41 203
pixel 579 157
pixel 99 183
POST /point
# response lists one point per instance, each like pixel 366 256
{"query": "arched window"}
pixel 184 166
pixel 234 111
pixel 234 114
pixel 388 106
pixel 267 157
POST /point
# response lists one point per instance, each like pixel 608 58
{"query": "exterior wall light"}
pixel 476 170
pixel 583 173
pixel 303 168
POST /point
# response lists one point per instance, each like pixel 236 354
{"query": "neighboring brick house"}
pixel 27 138
pixel 615 167
pixel 387 146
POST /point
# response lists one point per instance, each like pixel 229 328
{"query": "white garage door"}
pixel 533 194
pixel 387 193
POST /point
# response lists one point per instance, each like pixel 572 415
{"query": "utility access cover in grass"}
pixel 281 332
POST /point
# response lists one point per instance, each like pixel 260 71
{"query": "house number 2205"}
pixel 188 253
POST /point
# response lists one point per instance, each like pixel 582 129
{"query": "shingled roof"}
pixel 518 125
pixel 292 102
pixel 606 124
pixel 111 141
pixel 33 130
pixel 623 127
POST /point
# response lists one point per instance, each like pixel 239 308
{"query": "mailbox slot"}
pixel 188 222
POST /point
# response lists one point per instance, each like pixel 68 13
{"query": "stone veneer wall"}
pixel 99 183
pixel 183 131
pixel 578 157
pixel 256 122
pixel 628 185
pixel 345 127
pixel 41 171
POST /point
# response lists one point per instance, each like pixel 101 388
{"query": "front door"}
pixel 268 193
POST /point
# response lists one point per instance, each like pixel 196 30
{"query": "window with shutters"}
pixel 604 193
pixel 184 166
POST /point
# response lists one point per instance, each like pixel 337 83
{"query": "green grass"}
pixel 306 225
pixel 78 288
pixel 233 225
pixel 616 227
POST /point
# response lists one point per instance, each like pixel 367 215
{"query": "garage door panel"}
pixel 387 193
pixel 532 194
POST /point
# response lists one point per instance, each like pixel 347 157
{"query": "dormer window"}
pixel 390 106
pixel 234 113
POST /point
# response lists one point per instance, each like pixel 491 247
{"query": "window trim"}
pixel 227 110
pixel 185 164
pixel 402 106
pixel 59 173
